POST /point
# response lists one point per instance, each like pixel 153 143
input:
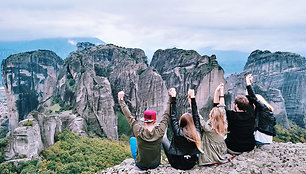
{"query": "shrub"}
pixel 207 68
pixel 3 144
pixel 28 123
pixel 3 132
pixel 102 71
pixel 123 125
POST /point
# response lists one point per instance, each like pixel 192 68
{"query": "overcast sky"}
pixel 241 25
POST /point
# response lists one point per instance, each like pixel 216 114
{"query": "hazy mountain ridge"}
pixel 61 46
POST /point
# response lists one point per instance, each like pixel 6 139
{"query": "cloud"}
pixel 243 25
pixel 72 42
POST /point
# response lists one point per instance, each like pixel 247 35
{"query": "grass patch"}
pixel 55 108
pixel 28 123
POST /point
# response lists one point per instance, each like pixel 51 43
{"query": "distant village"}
pixel 3 104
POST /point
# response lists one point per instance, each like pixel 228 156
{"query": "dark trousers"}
pixel 183 162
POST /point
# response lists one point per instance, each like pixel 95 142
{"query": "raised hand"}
pixel 120 95
pixel 191 93
pixel 249 79
pixel 220 87
pixel 172 92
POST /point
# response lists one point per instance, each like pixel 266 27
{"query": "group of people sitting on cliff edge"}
pixel 216 141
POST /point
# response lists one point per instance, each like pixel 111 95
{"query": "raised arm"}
pixel 195 115
pixel 131 120
pixel 219 100
pixel 173 115
pixel 250 92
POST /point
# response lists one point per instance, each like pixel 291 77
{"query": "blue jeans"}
pixel 260 143
pixel 133 146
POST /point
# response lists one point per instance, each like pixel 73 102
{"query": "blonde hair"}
pixel 190 132
pixel 217 121
pixel 263 101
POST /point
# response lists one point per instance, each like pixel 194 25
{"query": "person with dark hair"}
pixel 146 147
pixel 182 152
pixel 264 118
pixel 241 123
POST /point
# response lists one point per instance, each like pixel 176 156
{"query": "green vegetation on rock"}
pixel 28 123
pixel 3 132
pixel 102 71
pixel 3 144
pixel 74 154
pixel 57 105
pixel 124 128
pixel 295 135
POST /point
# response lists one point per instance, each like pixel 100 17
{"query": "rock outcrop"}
pixel 37 132
pixel 186 69
pixel 280 70
pixel 84 45
pixel 274 158
pixel 236 86
pixel 28 78
pixel 284 71
pixel 91 79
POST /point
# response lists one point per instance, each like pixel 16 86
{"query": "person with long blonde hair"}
pixel 214 130
pixel 264 118
pixel 182 152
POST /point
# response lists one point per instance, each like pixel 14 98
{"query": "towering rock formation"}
pixel 185 69
pixel 286 72
pixel 236 86
pixel 283 71
pixel 152 92
pixel 91 79
pixel 28 78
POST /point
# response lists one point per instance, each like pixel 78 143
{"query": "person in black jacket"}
pixel 186 142
pixel 241 121
pixel 264 118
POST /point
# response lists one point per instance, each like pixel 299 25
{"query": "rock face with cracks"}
pixel 187 69
pixel 37 132
pixel 281 79
pixel 29 79
pixel 286 72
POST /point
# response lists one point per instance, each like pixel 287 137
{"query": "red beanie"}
pixel 149 116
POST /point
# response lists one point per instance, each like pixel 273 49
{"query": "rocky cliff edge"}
pixel 274 158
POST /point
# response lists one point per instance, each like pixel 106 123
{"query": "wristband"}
pixel 221 96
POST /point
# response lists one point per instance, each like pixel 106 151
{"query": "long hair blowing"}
pixel 190 132
pixel 217 121
pixel 263 101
